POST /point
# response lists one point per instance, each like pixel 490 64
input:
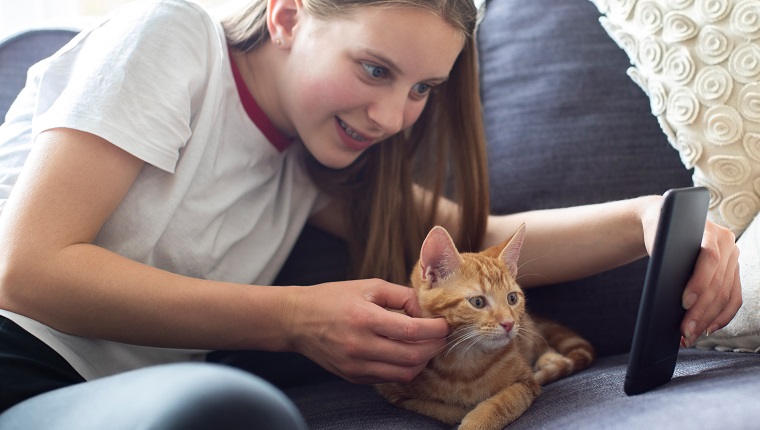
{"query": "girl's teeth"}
pixel 350 132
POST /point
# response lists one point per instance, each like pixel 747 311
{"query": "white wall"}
pixel 16 15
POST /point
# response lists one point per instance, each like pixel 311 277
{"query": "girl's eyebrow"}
pixel 393 67
pixel 383 59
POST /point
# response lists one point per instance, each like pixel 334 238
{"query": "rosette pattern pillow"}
pixel 699 63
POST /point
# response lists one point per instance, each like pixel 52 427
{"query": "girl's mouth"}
pixel 349 131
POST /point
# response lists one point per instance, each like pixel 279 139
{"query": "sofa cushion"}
pixel 709 390
pixel 566 126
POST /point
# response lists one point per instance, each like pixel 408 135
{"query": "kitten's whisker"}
pixel 453 346
pixel 529 261
pixel 464 352
pixel 530 336
pixel 530 274
pixel 458 333
pixel 460 340
pixel 458 330
pixel 477 338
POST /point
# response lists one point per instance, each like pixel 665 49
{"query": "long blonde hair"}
pixel 443 152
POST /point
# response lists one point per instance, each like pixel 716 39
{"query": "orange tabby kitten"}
pixel 498 356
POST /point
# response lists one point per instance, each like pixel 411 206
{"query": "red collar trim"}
pixel 275 137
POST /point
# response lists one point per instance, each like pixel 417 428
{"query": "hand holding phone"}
pixel 677 243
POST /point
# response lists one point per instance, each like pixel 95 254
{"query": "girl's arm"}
pixel 51 272
pixel 568 243
pixel 571 243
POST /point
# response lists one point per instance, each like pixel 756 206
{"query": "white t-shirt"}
pixel 216 198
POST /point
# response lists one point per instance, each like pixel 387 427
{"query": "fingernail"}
pixel 690 327
pixel 689 300
pixel 713 328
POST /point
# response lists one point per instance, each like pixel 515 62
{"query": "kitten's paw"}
pixel 549 359
pixel 551 366
pixel 479 421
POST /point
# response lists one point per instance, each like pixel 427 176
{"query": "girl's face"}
pixel 352 82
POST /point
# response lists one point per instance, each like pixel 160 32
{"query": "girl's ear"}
pixel 438 257
pixel 511 252
pixel 282 16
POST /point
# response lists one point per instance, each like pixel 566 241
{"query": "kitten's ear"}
pixel 439 256
pixel 511 252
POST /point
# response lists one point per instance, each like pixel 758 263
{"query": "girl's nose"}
pixel 388 112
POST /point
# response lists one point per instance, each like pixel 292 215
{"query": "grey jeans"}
pixel 185 396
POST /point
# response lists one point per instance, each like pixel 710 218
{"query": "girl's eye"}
pixel 374 71
pixel 478 302
pixel 512 298
pixel 422 89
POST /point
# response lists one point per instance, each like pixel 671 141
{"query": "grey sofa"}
pixel 565 126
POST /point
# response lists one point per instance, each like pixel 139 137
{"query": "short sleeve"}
pixel 134 80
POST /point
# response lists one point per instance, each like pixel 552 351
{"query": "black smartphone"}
pixel 657 336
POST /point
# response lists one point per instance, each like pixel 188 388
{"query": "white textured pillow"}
pixel 699 63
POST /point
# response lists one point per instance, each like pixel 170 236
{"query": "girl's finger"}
pixel 403 327
pixel 709 292
pixel 735 302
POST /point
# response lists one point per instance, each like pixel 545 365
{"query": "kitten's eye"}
pixel 512 298
pixel 479 302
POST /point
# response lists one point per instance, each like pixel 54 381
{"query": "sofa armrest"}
pixel 20 51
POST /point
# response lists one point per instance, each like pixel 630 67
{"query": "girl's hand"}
pixel 345 328
pixel 713 294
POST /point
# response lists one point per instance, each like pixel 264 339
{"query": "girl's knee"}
pixel 205 396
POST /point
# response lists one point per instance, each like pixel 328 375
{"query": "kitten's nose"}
pixel 508 326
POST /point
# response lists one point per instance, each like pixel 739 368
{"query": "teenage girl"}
pixel 157 171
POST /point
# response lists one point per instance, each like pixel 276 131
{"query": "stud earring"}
pixel 278 42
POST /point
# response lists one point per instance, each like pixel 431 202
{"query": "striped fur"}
pixel 497 356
